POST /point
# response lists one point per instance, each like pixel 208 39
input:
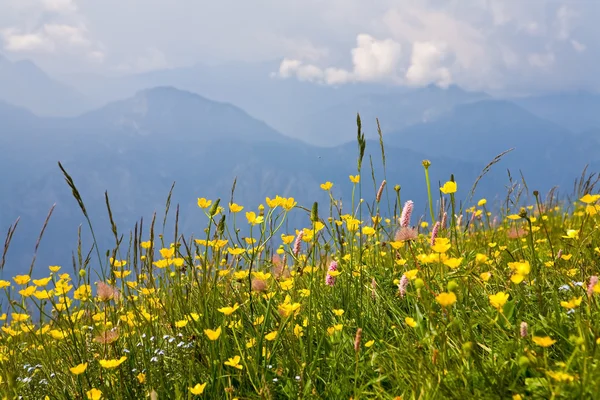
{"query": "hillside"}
pixel 24 84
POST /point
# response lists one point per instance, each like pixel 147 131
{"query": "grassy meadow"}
pixel 368 300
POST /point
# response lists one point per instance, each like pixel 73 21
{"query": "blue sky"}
pixel 490 45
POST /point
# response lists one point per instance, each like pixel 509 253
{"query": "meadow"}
pixel 367 300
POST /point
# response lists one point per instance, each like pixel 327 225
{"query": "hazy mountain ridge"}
pixel 24 84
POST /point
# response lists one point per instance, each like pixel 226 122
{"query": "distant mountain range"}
pixel 138 146
pixel 24 84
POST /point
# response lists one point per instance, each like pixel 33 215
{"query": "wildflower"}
pixel 481 202
pixel 203 203
pixel 298 243
pixel 298 331
pixel 235 208
pixel 591 288
pixel 253 219
pixel 453 262
pixel 19 317
pixel 402 285
pixel 83 293
pixel 589 198
pixel 357 339
pixel 229 310
pixel 573 303
pixel 141 377
pixel 560 376
pixel 42 282
pixel 572 234
pixel 108 336
pixel 213 334
pixel 410 322
pixel 444 220
pixel 405 234
pixel 498 300
pixel 441 245
pixel 434 233
pixel 545 341
pixel 181 323
pixel 515 233
pixel 449 187
pixel 523 329
pixel 330 279
pixel 109 364
pixel 94 394
pixel 27 291
pixel 261 275
pixel 380 191
pixel 22 279
pixel 287 307
pixel 326 186
pixel 234 362
pixel 520 270
pixel 258 285
pixel 485 276
pixel 79 369
pixel 446 299
pixel 406 213
pixel 271 336
pixel 355 178
pixel 236 251
pixel 198 389
pixel 106 292
pixel 4 284
pixel 338 313
pixel 369 343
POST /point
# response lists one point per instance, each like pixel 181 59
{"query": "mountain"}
pixel 24 84
pixel 577 111
pixel 478 131
pixel 396 110
pixel 136 148
pixel 164 110
pixel 252 86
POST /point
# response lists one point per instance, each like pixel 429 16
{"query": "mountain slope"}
pixel 577 111
pixel 479 131
pixel 395 111
pixel 24 84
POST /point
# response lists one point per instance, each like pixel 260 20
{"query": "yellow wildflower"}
pixel 198 389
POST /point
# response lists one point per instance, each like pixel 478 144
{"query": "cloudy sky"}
pixel 495 45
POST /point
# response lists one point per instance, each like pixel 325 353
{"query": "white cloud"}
pixel 564 21
pixel 17 42
pixel 488 44
pixel 372 60
pixel 50 38
pixel 426 65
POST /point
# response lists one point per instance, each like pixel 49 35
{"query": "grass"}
pixel 353 305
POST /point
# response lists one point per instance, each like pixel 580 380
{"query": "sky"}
pixel 493 45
